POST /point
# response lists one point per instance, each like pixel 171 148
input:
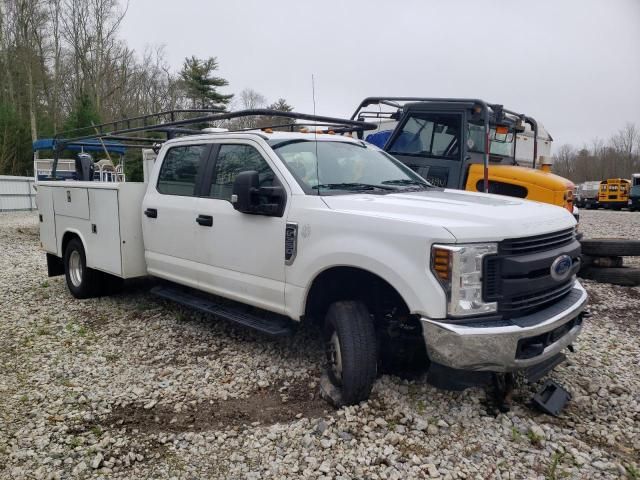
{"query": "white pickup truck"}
pixel 271 228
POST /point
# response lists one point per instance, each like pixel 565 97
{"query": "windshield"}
pixel 334 167
pixel 500 144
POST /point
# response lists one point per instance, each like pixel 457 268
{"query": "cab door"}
pixel 431 143
pixel 241 256
pixel 169 215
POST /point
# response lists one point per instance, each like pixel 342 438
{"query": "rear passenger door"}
pixel 241 255
pixel 169 214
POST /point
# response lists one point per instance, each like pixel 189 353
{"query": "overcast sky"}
pixel 572 64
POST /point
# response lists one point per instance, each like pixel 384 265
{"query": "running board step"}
pixel 274 325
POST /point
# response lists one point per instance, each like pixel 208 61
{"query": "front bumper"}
pixel 506 345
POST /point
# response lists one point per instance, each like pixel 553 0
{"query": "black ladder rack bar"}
pixel 158 122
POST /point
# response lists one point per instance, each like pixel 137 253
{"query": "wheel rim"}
pixel 334 356
pixel 75 268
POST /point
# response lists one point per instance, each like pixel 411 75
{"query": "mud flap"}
pixel 551 398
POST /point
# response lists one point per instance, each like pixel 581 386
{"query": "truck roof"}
pixel 266 135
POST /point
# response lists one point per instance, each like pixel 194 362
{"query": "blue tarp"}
pixel 379 139
pixel 91 145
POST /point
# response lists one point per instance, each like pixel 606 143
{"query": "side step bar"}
pixel 273 324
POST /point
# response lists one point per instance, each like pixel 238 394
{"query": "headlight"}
pixel 459 270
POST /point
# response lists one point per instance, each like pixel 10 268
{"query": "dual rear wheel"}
pixel 85 282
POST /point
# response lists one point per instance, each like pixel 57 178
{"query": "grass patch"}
pixel 516 436
pixel 553 473
pixel 632 472
pixel 534 438
pixel 44 284
pixel 42 331
pixel 76 442
pixel 97 430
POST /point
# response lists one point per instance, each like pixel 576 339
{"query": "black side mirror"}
pixel 244 185
pixel 248 197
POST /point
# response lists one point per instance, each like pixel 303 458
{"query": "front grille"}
pixel 519 278
pixel 538 243
pixel 535 300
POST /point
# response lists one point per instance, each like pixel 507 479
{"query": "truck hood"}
pixel 468 216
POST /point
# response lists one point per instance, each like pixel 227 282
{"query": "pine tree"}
pixel 83 116
pixel 201 86
pixel 280 105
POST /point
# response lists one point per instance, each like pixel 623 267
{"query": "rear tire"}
pixel 83 282
pixel 351 351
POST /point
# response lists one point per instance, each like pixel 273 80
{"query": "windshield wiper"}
pixel 352 186
pixel 406 181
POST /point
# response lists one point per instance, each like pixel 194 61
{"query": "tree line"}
pixel 617 157
pixel 63 66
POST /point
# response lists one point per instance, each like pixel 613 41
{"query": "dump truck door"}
pixel 431 142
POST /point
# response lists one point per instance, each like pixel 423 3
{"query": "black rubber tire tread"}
pixel 358 348
pixel 610 247
pixel 624 276
pixel 91 279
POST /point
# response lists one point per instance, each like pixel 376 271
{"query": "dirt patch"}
pixel 266 407
pixel 28 231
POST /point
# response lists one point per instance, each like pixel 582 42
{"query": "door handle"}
pixel 205 220
pixel 151 213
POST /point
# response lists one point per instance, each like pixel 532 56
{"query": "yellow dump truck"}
pixel 467 144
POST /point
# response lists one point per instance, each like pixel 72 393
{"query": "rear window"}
pixel 179 170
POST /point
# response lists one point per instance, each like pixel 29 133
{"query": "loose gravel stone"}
pixel 129 386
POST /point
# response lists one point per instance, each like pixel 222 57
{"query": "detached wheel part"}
pixel 624 276
pixel 351 351
pixel 83 282
pixel 610 247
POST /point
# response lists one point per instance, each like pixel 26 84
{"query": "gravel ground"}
pixel 130 387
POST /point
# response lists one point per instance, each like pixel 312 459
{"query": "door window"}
pixel 233 159
pixel 179 170
pixel 431 135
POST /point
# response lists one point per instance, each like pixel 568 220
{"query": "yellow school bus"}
pixel 614 193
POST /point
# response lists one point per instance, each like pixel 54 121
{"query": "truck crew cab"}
pixel 268 228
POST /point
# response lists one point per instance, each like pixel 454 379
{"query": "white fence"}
pixel 17 193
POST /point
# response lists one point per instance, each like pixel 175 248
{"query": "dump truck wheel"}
pixel 624 276
pixel 351 351
pixel 610 247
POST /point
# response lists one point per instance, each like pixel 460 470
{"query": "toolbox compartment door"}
pixel 103 237
pixel 71 202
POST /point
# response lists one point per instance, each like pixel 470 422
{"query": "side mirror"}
pixel 244 185
pixel 248 197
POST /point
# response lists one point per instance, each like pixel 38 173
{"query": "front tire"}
pixel 351 351
pixel 83 282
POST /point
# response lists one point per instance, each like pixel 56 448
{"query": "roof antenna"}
pixel 315 131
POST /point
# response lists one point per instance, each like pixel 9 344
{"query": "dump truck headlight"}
pixel 458 268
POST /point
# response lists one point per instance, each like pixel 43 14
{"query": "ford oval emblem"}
pixel 561 268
